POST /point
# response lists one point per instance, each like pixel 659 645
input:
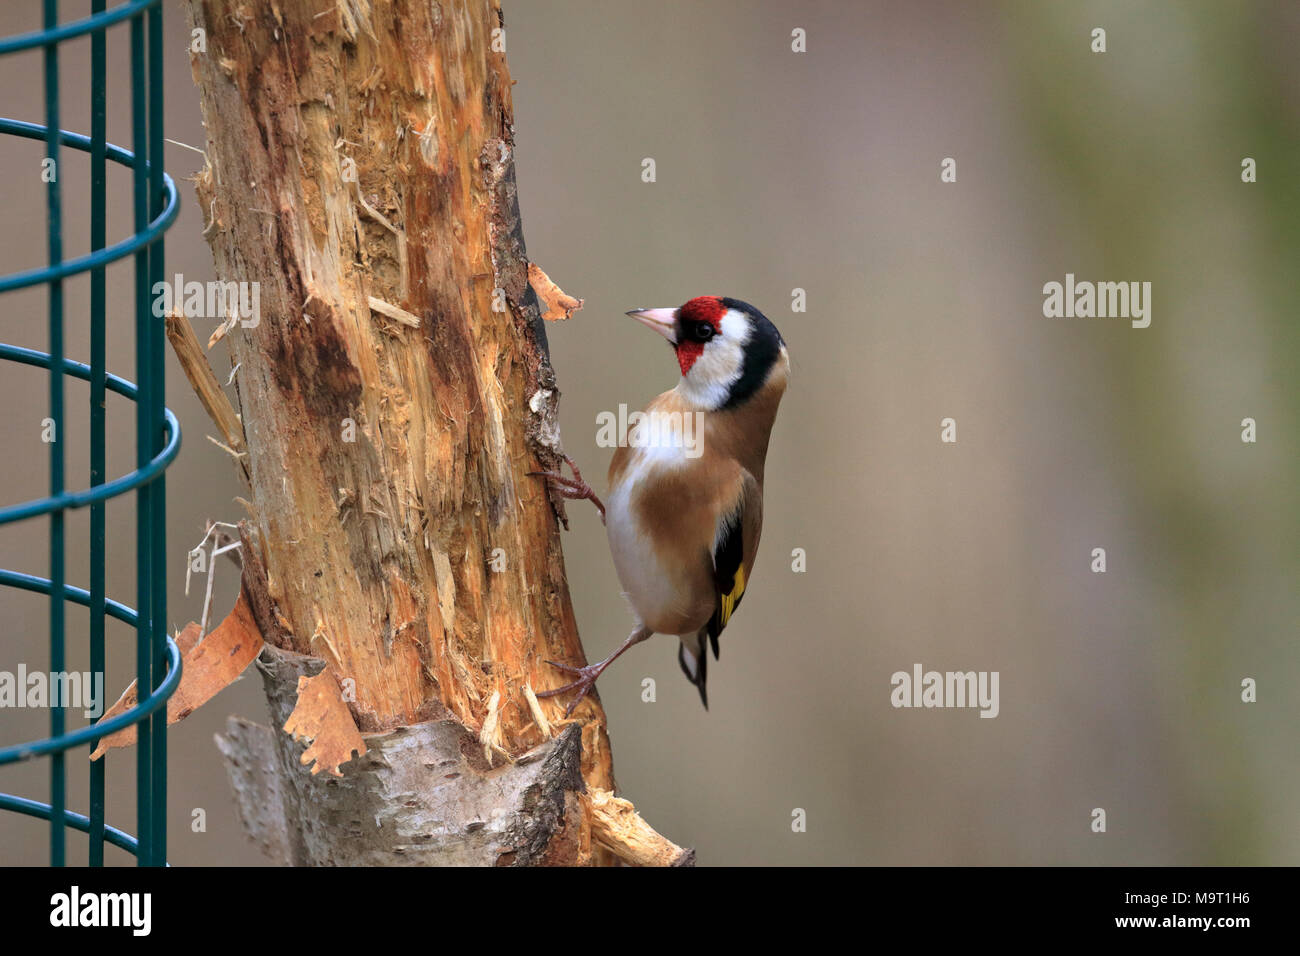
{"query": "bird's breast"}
pixel 661 552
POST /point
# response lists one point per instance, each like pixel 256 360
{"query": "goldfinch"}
pixel 686 489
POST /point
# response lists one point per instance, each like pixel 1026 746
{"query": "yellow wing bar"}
pixel 732 597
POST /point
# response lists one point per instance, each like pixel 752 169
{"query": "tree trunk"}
pixel 394 395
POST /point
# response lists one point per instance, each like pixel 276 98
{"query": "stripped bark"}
pixel 361 170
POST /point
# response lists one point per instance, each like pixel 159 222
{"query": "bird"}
pixel 685 493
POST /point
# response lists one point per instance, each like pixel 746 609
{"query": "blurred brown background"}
pixel 820 170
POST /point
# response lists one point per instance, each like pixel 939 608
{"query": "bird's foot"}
pixel 583 685
pixel 575 489
pixel 587 675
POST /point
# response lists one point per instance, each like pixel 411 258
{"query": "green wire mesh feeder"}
pixel 155 206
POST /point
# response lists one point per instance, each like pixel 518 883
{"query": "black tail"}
pixel 701 677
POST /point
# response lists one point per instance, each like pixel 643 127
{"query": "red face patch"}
pixel 687 353
pixel 704 308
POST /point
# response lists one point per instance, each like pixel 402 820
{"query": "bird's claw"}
pixel 569 668
pixel 575 489
pixel 583 685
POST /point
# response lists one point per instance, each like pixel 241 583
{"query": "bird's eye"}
pixel 702 332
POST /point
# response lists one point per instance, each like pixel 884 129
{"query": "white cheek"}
pixel 735 327
pixel 710 379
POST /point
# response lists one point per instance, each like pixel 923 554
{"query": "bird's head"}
pixel 725 348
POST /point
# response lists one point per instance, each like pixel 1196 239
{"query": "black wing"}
pixel 737 534
pixel 728 574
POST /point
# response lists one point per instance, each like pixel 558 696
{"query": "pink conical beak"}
pixel 661 320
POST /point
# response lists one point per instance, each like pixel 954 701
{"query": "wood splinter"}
pixel 617 827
